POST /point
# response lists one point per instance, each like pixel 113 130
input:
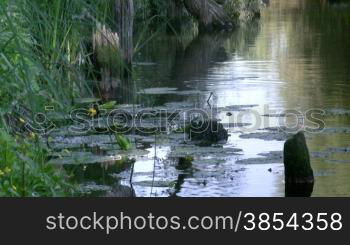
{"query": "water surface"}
pixel 295 57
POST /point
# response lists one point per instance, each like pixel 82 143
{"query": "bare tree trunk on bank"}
pixel 124 10
pixel 175 9
pixel 209 13
pixel 113 52
pixel 176 12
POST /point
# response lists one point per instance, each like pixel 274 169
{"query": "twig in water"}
pixel 131 173
pixel 211 95
pixel 154 163
pixel 133 131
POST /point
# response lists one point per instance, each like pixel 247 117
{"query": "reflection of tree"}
pixel 313 50
pixel 99 173
pixel 178 185
pixel 243 39
pixel 114 87
pixel 199 56
pixel 189 55
pixel 334 43
pixel 208 48
pixel 103 174
pixel 309 44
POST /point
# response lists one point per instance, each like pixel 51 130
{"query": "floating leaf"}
pixel 108 106
pixel 123 142
pixel 86 100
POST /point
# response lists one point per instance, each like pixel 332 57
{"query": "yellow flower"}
pixel 22 120
pixel 92 112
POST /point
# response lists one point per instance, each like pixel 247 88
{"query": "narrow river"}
pixel 294 58
pixel 264 77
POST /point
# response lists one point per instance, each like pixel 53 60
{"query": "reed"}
pixel 44 60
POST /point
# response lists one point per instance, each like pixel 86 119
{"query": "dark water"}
pixel 295 57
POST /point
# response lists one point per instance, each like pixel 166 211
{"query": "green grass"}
pixel 24 172
pixel 44 60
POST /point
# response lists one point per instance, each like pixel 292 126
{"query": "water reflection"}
pixel 199 56
pixel 101 179
pixel 296 57
pixel 178 185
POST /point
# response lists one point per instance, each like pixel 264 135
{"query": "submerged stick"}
pixel 154 163
pixel 208 100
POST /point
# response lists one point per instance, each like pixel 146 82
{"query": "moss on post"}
pixel 184 163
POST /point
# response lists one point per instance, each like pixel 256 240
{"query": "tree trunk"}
pixel 209 13
pixel 175 9
pixel 124 24
pixel 125 13
pixel 176 13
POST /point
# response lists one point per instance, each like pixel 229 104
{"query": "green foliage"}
pixel 24 172
pixel 45 50
pixel 232 9
pixel 236 8
pixel 108 106
pixel 44 60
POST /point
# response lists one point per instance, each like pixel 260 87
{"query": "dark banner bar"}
pixel 108 221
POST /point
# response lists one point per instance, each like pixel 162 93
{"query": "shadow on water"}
pixel 178 185
pixel 101 179
pixel 196 59
pixel 184 165
pixel 174 60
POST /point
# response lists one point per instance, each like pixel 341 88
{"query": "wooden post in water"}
pixel 299 177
